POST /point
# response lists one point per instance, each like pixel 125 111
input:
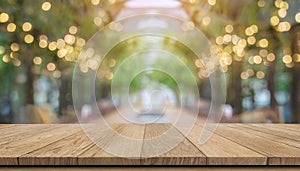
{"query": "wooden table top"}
pixel 231 144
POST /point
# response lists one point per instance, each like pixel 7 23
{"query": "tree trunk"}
pixel 295 88
pixel 62 95
pixel 295 97
pixel 272 70
pixel 234 95
pixel 29 94
pixel 252 98
pixel 271 84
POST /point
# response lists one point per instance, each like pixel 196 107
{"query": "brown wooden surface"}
pixel 231 144
pixel 96 156
pixel 184 153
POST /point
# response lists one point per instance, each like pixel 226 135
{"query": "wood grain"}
pixel 287 131
pixel 27 142
pixel 62 152
pixel 269 134
pixel 97 156
pixel 277 153
pixel 221 151
pixel 7 126
pixel 68 144
pixel 183 153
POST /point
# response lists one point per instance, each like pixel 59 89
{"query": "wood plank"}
pixel 17 134
pixel 67 144
pixel 278 130
pixel 185 153
pixel 277 153
pixel 149 168
pixel 17 130
pixel 269 134
pixel 62 152
pixel 293 127
pixel 221 151
pixel 10 152
pixel 13 134
pixel 3 126
pixel 132 149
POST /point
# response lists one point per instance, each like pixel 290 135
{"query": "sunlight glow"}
pixel 153 4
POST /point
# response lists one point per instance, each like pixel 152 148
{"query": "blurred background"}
pixel 257 43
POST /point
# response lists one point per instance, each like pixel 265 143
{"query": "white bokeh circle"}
pixel 101 132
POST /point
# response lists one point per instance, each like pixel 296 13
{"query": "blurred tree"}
pixel 45 38
pixel 259 25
